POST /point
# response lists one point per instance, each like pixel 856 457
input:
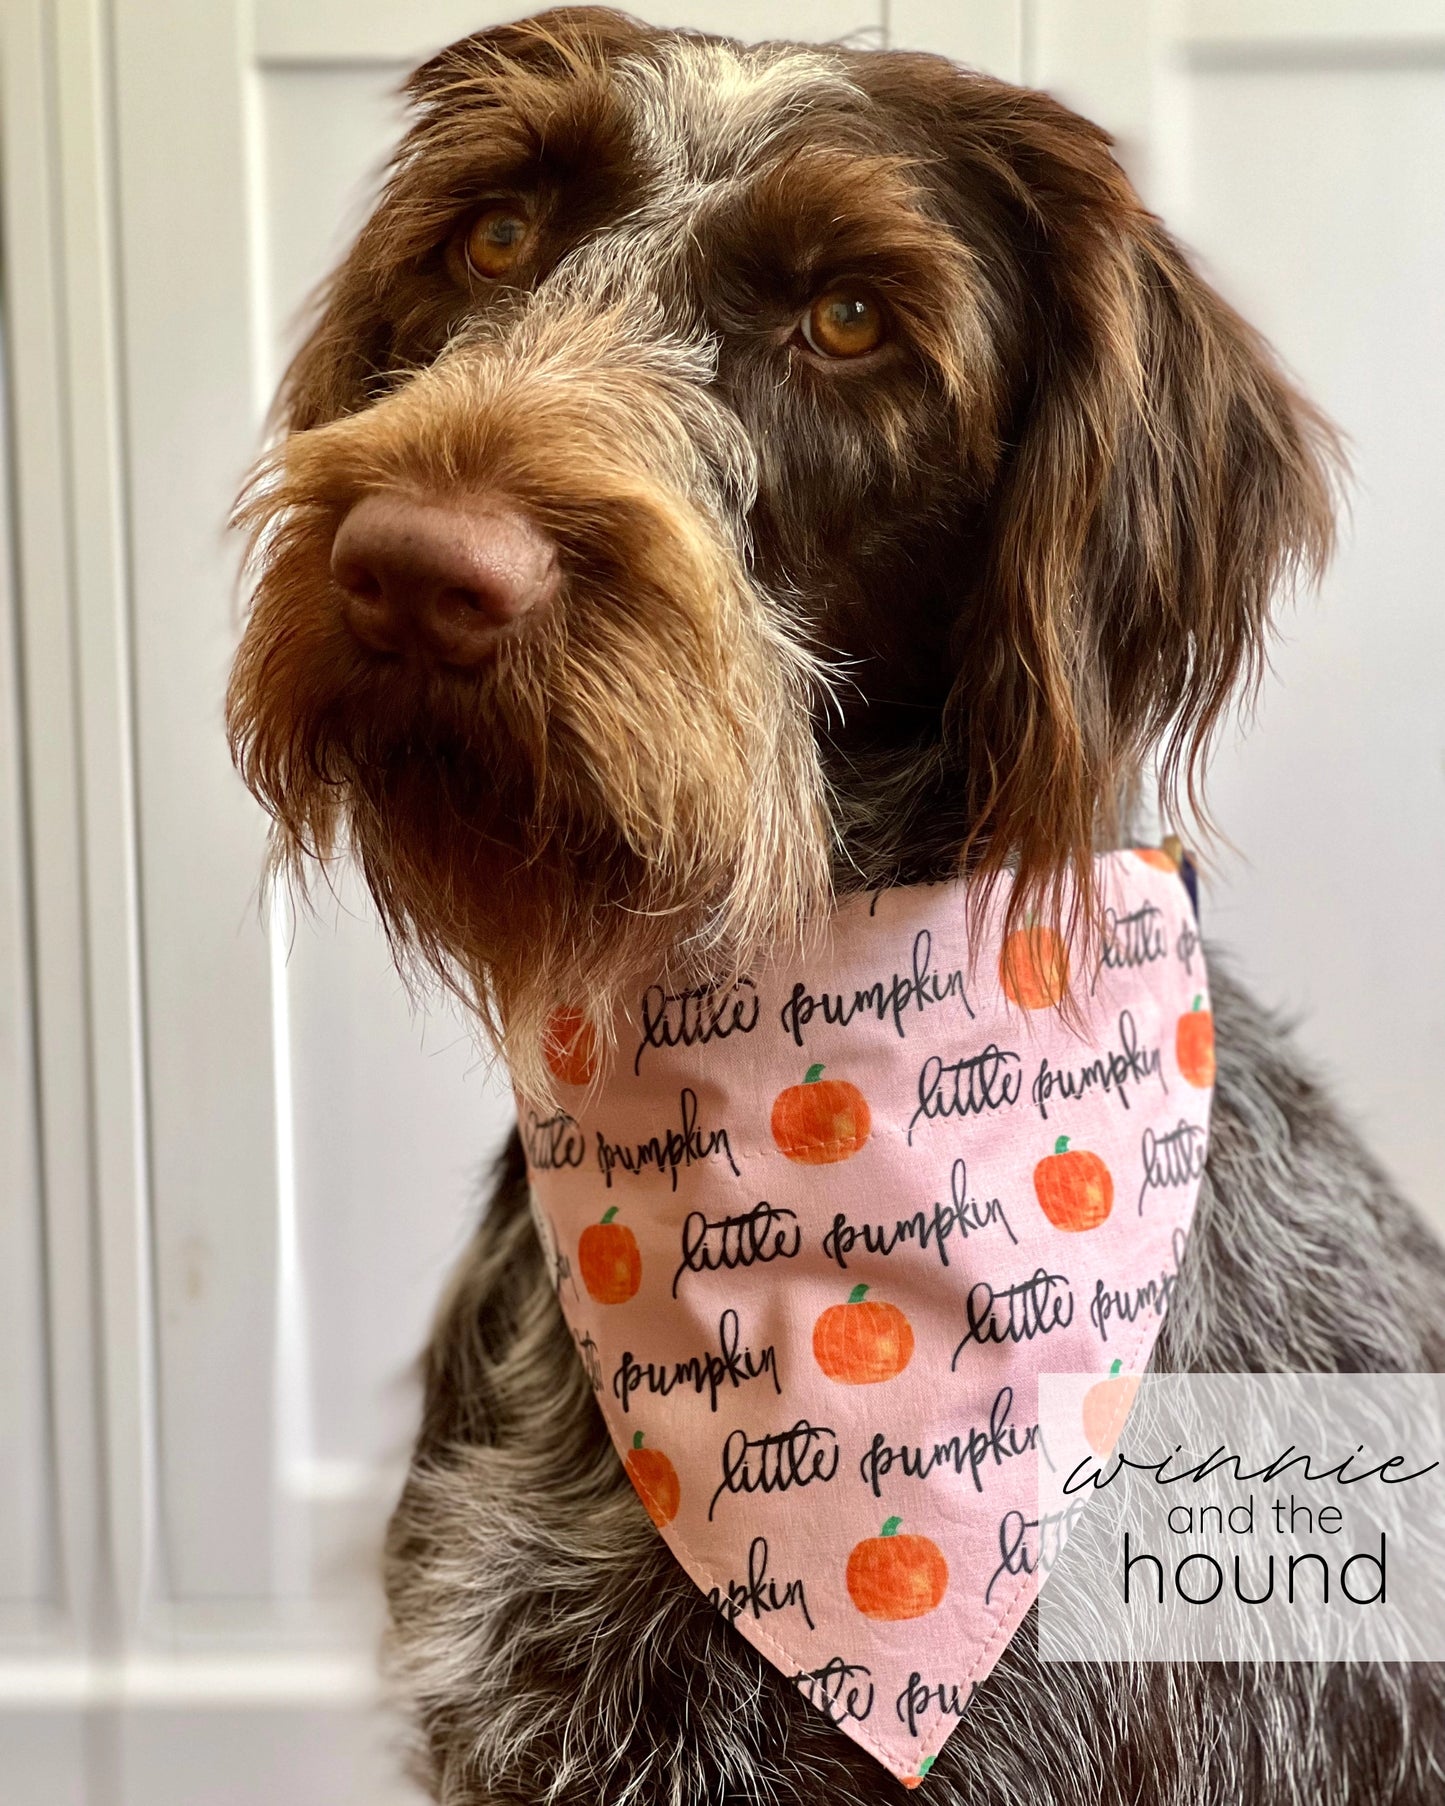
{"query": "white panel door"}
pixel 234 1160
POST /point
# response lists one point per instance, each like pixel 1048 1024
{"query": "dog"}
pixel 720 479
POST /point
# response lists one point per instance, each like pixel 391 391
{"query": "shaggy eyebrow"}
pixel 477 137
pixel 819 214
pixel 840 202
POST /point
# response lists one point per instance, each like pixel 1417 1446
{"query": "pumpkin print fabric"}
pixel 818 1232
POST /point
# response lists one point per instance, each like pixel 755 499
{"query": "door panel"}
pixel 373 31
pixel 233 1153
pixel 186 344
pixel 27 1573
pixel 1315 199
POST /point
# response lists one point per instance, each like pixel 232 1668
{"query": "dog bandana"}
pixel 817 1234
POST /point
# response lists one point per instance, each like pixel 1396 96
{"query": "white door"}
pixel 233 1162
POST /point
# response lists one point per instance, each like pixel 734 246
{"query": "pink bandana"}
pixel 818 1234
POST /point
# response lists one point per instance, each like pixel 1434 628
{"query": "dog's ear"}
pixel 1160 480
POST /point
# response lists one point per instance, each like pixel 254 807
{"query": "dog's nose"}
pixel 451 577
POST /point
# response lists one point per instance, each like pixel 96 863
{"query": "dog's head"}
pixel 716 475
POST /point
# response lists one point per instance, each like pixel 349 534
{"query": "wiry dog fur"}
pixel 822 624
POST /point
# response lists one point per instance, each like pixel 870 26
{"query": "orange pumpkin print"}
pixel 1075 1188
pixel 1034 967
pixel 894 1577
pixel 820 1121
pixel 863 1341
pixel 922 1775
pixel 1160 858
pixel 610 1260
pixel 569 1046
pixel 654 1480
pixel 1194 1045
pixel 1105 1407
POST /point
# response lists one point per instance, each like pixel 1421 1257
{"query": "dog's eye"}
pixel 844 322
pixel 496 240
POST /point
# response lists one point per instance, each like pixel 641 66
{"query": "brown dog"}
pixel 720 478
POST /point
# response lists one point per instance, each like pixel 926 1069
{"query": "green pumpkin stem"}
pixel 1061 1146
pixel 858 1294
pixel 1114 1368
pixel 637 1439
pixel 610 1212
pixel 812 1075
pixel 890 1528
pixel 1198 1003
pixel 926 1764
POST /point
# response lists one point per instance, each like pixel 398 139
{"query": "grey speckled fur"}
pixel 553 1651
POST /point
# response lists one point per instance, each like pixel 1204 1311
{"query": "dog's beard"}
pixel 630 787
